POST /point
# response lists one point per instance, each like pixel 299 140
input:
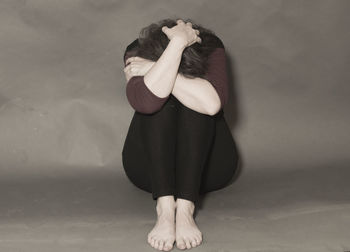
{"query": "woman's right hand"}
pixel 137 66
pixel 183 32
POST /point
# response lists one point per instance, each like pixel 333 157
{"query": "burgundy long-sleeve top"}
pixel 143 100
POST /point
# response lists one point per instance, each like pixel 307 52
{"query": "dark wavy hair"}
pixel 152 41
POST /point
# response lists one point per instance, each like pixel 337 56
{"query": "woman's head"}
pixel 152 42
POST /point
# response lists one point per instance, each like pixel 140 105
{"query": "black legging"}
pixel 178 151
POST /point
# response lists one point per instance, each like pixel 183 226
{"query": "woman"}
pixel 178 145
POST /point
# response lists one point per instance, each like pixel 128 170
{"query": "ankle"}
pixel 184 206
pixel 165 204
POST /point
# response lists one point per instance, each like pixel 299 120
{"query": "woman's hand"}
pixel 183 32
pixel 137 66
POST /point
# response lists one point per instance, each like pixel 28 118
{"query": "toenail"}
pixel 181 245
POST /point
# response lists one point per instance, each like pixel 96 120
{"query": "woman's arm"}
pixel 206 95
pixel 148 93
pixel 161 77
pixel 197 94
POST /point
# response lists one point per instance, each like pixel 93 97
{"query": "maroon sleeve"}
pixel 140 97
pixel 217 73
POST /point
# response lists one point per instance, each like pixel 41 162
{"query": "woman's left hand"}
pixel 137 66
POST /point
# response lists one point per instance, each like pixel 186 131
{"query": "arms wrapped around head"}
pixel 143 100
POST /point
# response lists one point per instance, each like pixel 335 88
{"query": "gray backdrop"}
pixel 62 89
pixel 64 112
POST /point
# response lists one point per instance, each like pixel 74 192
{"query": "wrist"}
pixel 178 43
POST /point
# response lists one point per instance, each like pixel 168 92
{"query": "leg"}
pixel 222 161
pixel 158 136
pixel 134 158
pixel 194 139
pixel 154 168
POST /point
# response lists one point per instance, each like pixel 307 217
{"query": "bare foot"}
pixel 187 233
pixel 162 236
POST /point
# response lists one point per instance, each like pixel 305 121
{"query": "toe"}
pixel 194 242
pixel 180 243
pixel 156 243
pixel 161 245
pixel 167 246
pixel 149 239
pixel 153 241
pixel 188 244
pixel 197 239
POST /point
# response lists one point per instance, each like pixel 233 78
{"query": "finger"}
pixel 197 39
pixel 127 75
pixel 179 21
pixel 133 59
pixel 165 29
pixel 126 68
pixel 129 60
pixel 189 24
pixel 197 32
pixel 131 69
pixel 192 43
pixel 137 58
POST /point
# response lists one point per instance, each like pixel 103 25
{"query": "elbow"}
pixel 146 109
pixel 214 108
pixel 141 98
pixel 143 106
pixel 215 105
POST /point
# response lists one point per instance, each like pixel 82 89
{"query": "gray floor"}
pixel 299 210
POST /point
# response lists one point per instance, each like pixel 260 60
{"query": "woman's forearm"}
pixel 161 77
pixel 197 94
